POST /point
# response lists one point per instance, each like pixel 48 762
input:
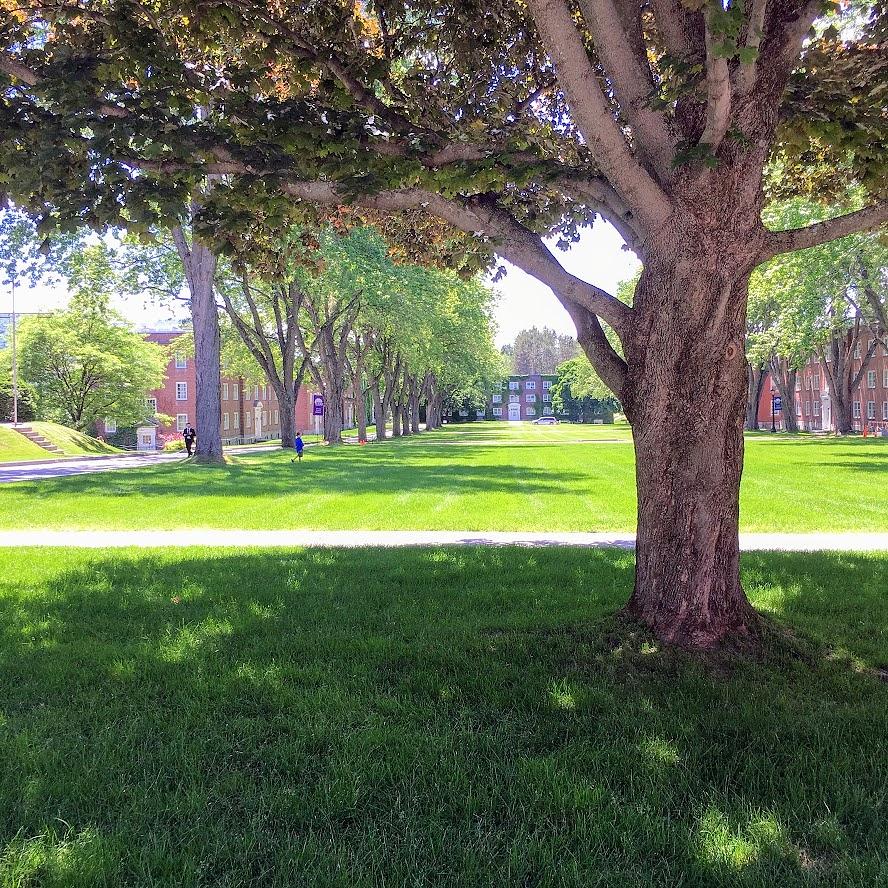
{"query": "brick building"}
pixel 250 412
pixel 522 398
pixel 812 402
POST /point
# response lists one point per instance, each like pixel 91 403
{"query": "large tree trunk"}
pixel 685 395
pixel 396 419
pixel 755 380
pixel 288 417
pixel 200 270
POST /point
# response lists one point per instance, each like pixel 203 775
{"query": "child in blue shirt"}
pixel 299 445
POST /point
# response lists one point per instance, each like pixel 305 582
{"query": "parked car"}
pixel 546 420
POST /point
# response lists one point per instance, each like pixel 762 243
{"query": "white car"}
pixel 546 420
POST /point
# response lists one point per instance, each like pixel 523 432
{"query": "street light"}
pixel 14 361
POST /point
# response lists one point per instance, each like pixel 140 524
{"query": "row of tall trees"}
pixel 830 302
pixel 331 306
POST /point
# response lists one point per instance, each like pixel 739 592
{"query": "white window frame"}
pixel 870 379
pixel 236 420
pixel 514 385
pixel 885 378
pixel 530 385
pixel 496 399
pixel 870 409
pixel 110 426
pixel 514 399
pixel 855 409
pixel 856 354
pixel 181 362
pixel 277 418
pixel 151 404
pixel 181 421
pixel 225 422
pixel 248 419
pixel 224 391
pixel 498 411
pixel 234 392
pixel 884 409
pixel 463 412
pixel 530 411
pixel 807 408
pixel 530 398
pixel 547 383
pixel 182 387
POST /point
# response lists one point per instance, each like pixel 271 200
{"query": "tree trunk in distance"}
pixel 378 410
pixel 288 417
pixel 396 420
pixel 755 377
pixel 333 396
pixel 785 378
pixel 687 422
pixel 200 270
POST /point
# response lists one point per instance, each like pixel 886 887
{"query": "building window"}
pixel 181 362
pixel 857 352
pixel 807 383
pixel 547 396
pixel 816 382
pixel 266 393
pixel 248 418
pixel 498 411
pixel 514 385
pixel 884 409
pixel 265 417
pixel 817 408
pixel 870 409
pixel 151 404
pixel 225 421
pixel 855 409
pixel 110 426
pixel 885 378
pixel 276 418
pixel 807 408
pixel 870 379
pixel 224 391
pixel 547 411
pixel 463 412
pixel 497 399
pixel 547 383
pixel 181 421
pixel 255 392
pixel 234 392
pixel 530 385
pixel 514 399
pixel 798 384
pixel 530 411
pixel 181 391
pixel 531 399
pixel 237 420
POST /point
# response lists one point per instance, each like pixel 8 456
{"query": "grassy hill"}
pixel 16 448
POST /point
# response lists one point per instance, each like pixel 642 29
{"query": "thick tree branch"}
pixel 718 92
pixel 867 219
pixel 609 366
pixel 632 84
pixel 593 116
pixel 755 28
pixel 675 26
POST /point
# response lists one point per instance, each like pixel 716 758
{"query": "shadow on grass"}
pixel 447 717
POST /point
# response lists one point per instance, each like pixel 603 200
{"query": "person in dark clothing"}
pixel 299 444
pixel 189 435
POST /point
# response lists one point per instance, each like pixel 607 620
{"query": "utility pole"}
pixel 14 361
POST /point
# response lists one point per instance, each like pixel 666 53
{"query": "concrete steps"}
pixel 37 438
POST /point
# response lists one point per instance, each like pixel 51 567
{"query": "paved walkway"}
pixel 81 465
pixel 350 539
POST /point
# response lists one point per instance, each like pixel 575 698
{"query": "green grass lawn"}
pixel 17 448
pixel 429 717
pixel 476 477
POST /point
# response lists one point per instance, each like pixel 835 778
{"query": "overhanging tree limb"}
pixel 777 242
pixel 718 90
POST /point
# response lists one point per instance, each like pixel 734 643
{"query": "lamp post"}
pixel 14 361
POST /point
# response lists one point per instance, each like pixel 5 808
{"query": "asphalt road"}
pixel 10 472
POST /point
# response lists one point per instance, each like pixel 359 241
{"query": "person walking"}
pixel 299 444
pixel 189 436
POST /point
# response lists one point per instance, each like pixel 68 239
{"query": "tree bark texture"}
pixel 685 395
